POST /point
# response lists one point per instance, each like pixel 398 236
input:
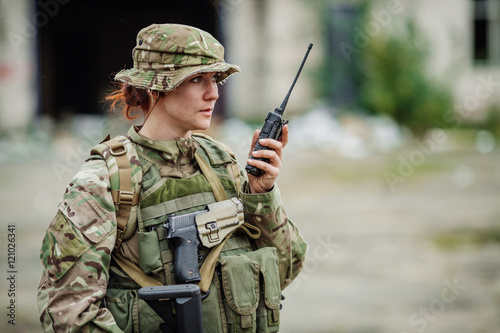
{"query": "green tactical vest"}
pixel 245 292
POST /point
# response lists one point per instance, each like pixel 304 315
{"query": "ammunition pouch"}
pixel 251 290
pixel 131 313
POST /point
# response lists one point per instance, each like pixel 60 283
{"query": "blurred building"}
pixel 464 45
pixel 57 57
pixel 18 95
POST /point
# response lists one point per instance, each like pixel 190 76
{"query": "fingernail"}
pixel 262 141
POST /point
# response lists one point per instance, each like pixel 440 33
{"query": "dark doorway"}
pixel 83 43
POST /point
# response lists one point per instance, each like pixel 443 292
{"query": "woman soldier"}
pixel 98 231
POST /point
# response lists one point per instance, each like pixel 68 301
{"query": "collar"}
pixel 170 149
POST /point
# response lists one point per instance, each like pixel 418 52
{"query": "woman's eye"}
pixel 216 77
pixel 196 79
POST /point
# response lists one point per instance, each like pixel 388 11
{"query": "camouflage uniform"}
pixel 82 289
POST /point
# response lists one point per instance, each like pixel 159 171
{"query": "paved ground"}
pixel 388 261
pixel 411 258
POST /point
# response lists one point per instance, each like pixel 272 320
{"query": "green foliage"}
pixel 330 74
pixel 390 68
pixel 452 240
pixel 395 81
pixel 491 121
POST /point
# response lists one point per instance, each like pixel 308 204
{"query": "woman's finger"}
pixel 274 155
pixel 255 138
pixel 284 136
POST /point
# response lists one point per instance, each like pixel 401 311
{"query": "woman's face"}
pixel 190 105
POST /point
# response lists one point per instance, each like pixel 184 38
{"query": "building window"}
pixel 486 31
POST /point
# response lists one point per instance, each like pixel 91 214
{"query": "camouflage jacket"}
pixel 76 251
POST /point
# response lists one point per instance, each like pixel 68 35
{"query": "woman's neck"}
pixel 155 127
pixel 155 132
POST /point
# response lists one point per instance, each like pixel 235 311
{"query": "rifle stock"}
pixel 187 298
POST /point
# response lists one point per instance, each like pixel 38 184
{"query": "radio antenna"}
pixel 282 107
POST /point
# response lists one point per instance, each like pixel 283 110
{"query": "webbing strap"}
pixel 219 192
pixel 247 227
pixel 135 272
pixel 207 269
pixel 124 197
pixel 174 205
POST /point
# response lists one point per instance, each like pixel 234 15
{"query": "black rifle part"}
pixel 188 315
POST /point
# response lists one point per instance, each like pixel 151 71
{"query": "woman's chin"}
pixel 204 125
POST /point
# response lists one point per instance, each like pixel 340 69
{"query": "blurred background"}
pixel 391 172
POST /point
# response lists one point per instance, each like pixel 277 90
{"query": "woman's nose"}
pixel 212 92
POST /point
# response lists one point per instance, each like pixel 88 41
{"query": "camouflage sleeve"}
pixel 76 254
pixel 266 211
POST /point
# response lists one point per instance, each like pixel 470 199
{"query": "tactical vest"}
pixel 244 294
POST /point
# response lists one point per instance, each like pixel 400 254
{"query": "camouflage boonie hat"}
pixel 166 54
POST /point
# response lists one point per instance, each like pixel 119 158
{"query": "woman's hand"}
pixel 265 182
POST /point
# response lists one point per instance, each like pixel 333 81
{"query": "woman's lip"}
pixel 206 111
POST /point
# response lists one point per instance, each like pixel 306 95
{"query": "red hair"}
pixel 132 101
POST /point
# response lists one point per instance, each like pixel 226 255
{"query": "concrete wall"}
pixel 17 64
pixel 268 39
pixel 448 27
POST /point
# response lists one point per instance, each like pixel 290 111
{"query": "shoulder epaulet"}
pixel 125 176
pixel 218 143
pixel 232 167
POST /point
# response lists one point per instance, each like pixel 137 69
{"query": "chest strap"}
pixel 207 269
pixel 209 173
pixel 124 197
pixel 135 272
pixel 125 190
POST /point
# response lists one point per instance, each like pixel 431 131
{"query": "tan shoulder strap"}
pixel 232 168
pixel 123 197
pixel 126 199
pixel 207 269
pixel 219 192
pixel 135 272
pixel 124 191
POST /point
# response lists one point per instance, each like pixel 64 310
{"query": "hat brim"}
pixel 167 80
